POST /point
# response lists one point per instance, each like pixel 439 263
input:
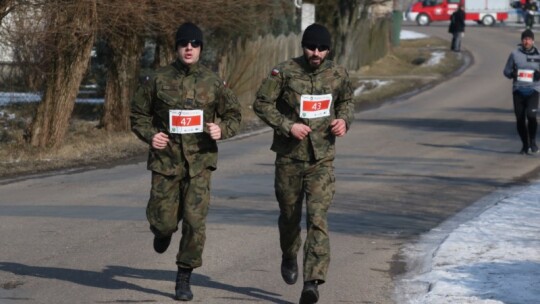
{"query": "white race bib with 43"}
pixel 315 106
pixel 185 121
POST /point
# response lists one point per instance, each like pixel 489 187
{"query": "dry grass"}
pixel 406 69
pixel 86 145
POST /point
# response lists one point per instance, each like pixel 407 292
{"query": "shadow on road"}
pixel 110 278
pixel 488 128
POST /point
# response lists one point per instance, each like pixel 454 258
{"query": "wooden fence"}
pixel 247 63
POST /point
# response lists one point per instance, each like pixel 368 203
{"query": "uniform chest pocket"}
pixel 326 85
pixel 205 99
pixel 299 86
pixel 294 90
pixel 169 95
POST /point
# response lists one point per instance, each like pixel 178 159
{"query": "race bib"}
pixel 315 106
pixel 525 75
pixel 185 121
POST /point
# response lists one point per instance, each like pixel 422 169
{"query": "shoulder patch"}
pixel 144 80
pixel 274 72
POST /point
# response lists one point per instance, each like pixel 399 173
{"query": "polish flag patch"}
pixel 274 72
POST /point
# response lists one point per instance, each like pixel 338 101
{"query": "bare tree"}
pixel 126 24
pixel 53 41
pixel 222 20
pixel 360 28
pixel 23 33
pixel 6 6
pixel 122 26
pixel 68 36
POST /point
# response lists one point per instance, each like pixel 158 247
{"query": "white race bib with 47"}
pixel 185 121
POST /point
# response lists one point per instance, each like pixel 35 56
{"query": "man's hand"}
pixel 214 130
pixel 536 75
pixel 160 140
pixel 338 127
pixel 300 131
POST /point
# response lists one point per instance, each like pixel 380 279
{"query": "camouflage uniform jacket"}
pixel 278 105
pixel 177 87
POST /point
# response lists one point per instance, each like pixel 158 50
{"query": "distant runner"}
pixel 457 28
pixel 523 66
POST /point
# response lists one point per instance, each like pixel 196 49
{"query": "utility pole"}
pixel 307 13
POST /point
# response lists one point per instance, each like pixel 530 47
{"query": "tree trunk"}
pixel 122 80
pixel 359 35
pixel 165 52
pixel 371 39
pixel 69 36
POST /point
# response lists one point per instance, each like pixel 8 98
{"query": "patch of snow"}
pixel 436 58
pixel 366 85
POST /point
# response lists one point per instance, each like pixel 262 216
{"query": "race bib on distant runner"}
pixel 185 121
pixel 525 75
pixel 315 106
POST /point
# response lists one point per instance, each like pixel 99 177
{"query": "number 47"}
pixel 185 121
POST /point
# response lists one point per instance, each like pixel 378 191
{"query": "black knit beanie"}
pixel 316 34
pixel 527 33
pixel 188 31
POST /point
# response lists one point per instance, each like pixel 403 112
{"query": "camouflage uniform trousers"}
pixel 295 179
pixel 174 199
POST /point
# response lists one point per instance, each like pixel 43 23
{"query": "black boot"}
pixel 289 270
pixel 182 289
pixel 162 243
pixel 310 294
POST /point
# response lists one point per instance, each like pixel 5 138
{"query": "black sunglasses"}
pixel 313 47
pixel 194 43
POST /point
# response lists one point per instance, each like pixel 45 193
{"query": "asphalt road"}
pixel 403 168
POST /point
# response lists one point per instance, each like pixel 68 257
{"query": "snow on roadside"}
pixel 11 97
pixel 409 35
pixel 491 258
pixel 435 58
pixel 367 85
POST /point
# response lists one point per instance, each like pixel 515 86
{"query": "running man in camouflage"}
pixel 175 112
pixel 308 102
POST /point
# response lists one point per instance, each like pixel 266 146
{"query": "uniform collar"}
pixel 186 69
